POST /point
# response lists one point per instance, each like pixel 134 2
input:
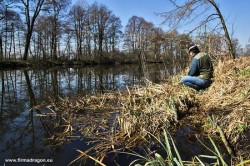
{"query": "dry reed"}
pixel 229 99
pixel 143 110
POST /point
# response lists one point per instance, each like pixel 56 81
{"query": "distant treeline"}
pixel 58 30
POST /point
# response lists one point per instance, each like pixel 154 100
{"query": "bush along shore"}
pixel 140 116
pixel 17 64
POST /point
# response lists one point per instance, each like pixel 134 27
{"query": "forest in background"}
pixel 59 30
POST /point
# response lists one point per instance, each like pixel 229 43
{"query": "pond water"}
pixel 21 132
pixel 23 136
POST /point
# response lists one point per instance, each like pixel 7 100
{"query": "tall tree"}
pixel 157 41
pixel 88 30
pixel 93 12
pixel 43 30
pixel 77 16
pixel 247 48
pixel 187 11
pixel 138 36
pixel 1 47
pixel 228 39
pixel 113 34
pixel 103 16
pixel 31 9
pixel 56 7
pixel 4 8
pixel 132 33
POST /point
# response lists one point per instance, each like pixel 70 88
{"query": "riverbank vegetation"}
pixel 133 118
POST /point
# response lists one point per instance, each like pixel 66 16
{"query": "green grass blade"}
pixel 218 154
pixel 151 163
pixel 176 151
pixel 168 147
pixel 133 154
pixel 134 161
pixel 138 165
pixel 177 162
pixel 202 164
pixel 243 163
pixel 205 146
pixel 207 156
pixel 160 159
pixel 158 140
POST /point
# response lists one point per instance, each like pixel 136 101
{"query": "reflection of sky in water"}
pixel 16 137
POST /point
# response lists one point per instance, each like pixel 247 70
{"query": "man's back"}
pixel 205 66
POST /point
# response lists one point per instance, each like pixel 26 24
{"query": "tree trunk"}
pixel 29 88
pixel 1 48
pixel 54 40
pixel 14 45
pixel 2 94
pixel 11 40
pixel 30 23
pixel 100 41
pixel 19 44
pixel 27 44
pixel 228 39
pixel 113 43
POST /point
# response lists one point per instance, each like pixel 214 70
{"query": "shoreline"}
pixel 222 111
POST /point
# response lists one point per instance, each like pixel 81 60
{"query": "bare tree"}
pixel 56 8
pixel 100 17
pixel 31 13
pixel 247 48
pixel 157 41
pixel 103 16
pixel 132 35
pixel 88 31
pixel 186 12
pixel 1 47
pixel 113 33
pixel 77 14
pixel 144 39
pixel 236 46
pixel 43 28
pixel 4 10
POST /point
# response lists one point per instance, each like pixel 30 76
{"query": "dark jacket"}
pixel 201 66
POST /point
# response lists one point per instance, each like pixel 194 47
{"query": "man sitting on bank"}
pixel 200 72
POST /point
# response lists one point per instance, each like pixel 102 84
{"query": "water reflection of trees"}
pixel 22 91
pixel 2 95
pixel 61 81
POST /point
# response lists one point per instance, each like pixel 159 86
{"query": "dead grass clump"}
pixel 123 120
pixel 118 120
pixel 85 117
pixel 229 97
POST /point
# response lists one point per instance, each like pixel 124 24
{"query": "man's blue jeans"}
pixel 195 82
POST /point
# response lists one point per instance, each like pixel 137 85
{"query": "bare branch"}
pixel 185 12
pixel 205 22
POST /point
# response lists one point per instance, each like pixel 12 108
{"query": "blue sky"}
pixel 235 12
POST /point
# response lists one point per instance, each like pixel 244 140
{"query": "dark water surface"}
pixel 23 135
pixel 21 132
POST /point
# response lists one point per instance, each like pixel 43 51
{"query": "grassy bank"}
pixel 142 113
